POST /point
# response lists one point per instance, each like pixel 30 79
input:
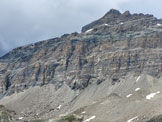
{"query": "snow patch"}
pixel 87 120
pixel 83 112
pixel 137 89
pixel 94 102
pixel 130 120
pixel 129 95
pixel 159 24
pixel 121 23
pixel 62 115
pixel 106 24
pixel 59 107
pixel 89 30
pixel 148 97
pixel 138 79
pixel 104 102
pixel 20 118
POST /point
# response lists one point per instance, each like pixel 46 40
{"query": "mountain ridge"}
pixel 89 41
pixel 116 59
pixel 114 16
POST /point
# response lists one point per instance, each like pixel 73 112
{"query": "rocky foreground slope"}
pixel 110 72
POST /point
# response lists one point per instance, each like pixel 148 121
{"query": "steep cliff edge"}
pixel 107 51
pixel 111 47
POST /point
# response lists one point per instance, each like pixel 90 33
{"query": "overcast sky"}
pixel 28 21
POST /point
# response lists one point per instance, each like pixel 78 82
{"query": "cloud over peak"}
pixel 27 21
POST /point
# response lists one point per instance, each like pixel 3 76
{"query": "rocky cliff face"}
pixel 110 71
pixel 110 47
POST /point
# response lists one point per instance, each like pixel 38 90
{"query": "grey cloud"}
pixel 28 21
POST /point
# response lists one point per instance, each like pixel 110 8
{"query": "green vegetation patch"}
pixel 5 117
pixel 38 121
pixel 156 119
pixel 70 118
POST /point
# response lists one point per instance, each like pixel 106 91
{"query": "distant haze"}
pixel 28 21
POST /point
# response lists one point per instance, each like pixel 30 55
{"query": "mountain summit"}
pixel 114 16
pixel 110 72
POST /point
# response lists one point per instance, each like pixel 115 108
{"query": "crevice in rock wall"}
pixel 7 82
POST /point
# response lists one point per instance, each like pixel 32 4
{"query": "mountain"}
pixel 110 72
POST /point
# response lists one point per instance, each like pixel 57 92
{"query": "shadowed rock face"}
pixel 115 45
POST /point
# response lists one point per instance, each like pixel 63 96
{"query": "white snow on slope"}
pixel 148 97
pixel 130 120
pixel 121 23
pixel 137 89
pixel 159 24
pixel 129 95
pixel 104 102
pixel 138 79
pixel 20 118
pixel 106 24
pixel 59 107
pixel 83 112
pixel 87 120
pixel 89 30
